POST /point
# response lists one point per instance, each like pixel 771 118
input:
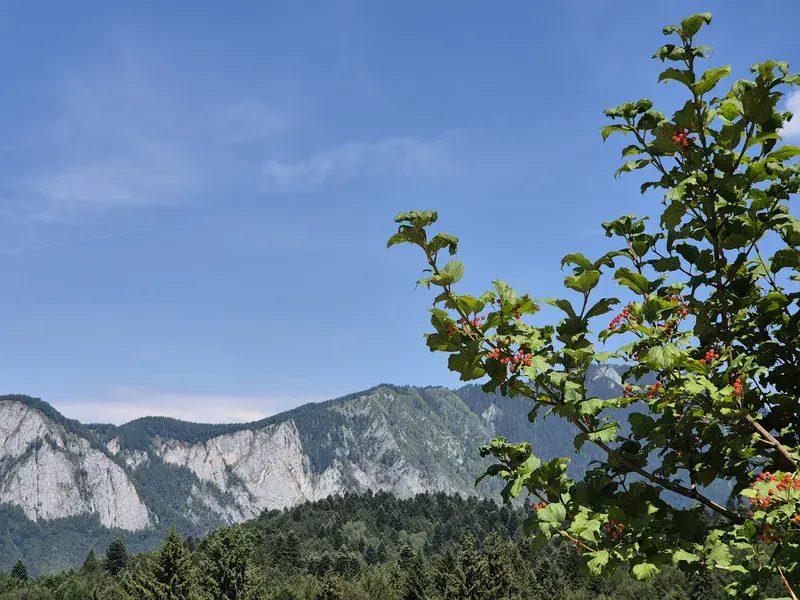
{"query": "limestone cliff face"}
pixel 268 468
pixel 51 473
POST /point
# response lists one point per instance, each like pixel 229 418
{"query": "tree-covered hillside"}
pixel 369 546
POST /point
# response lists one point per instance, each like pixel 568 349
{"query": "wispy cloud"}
pixel 792 129
pixel 124 404
pixel 71 242
pixel 125 132
pixel 396 156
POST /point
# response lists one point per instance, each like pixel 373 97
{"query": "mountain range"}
pixel 68 487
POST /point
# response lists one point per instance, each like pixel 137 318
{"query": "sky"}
pixel 195 201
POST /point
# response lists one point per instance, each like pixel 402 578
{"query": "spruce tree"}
pixel 416 584
pixel 20 571
pixel 226 557
pixel 406 556
pixel 174 569
pixel 116 556
pixel 91 563
pixel 500 577
pixel 329 589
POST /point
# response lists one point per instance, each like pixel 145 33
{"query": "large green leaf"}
pixel 635 281
pixel 710 79
pixel 662 357
pixel 583 283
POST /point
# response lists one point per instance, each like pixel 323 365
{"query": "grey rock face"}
pixel 51 473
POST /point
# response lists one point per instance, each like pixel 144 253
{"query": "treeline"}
pixel 353 547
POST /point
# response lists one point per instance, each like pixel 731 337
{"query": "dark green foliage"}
pixel 225 558
pixel 361 547
pixel 116 556
pixel 20 571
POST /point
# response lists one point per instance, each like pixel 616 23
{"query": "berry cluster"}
pixel 520 358
pixel 683 309
pixel 680 137
pixel 515 310
pixel 737 386
pixel 766 536
pixel 653 390
pixel 780 492
pixel 476 322
pixel 540 506
pixel 614 529
pixel 625 314
pixel 628 391
pixel 708 359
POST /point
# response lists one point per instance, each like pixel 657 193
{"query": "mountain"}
pixel 74 486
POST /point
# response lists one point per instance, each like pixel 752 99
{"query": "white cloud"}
pixel 792 129
pixel 126 132
pixel 397 156
pixel 124 404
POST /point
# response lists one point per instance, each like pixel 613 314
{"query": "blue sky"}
pixel 194 204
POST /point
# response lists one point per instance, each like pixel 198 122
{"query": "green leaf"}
pixel 554 514
pixel 564 305
pixel 641 424
pixel 673 214
pixel 731 109
pixel 609 129
pixel 662 357
pixel 720 554
pixel 632 165
pixel 597 563
pixel 578 259
pixel 583 283
pixel 684 556
pixel 710 79
pixel 644 571
pixel 783 153
pixel 691 25
pixel 683 76
pixel 785 257
pixel 601 307
pixel 635 281
pixel 451 273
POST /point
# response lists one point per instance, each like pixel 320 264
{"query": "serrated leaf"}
pixel 691 25
pixel 598 562
pixel 681 75
pixel 601 307
pixel 583 283
pixel 554 514
pixel 710 79
pixel 635 281
pixel 644 571
pixel 684 556
pixel 662 357
pixel 784 153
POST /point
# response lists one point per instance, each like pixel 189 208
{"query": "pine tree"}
pixel 91 563
pixel 225 566
pixel 329 589
pixel 116 556
pixel 416 584
pixel 499 573
pixel 449 578
pixel 473 570
pixel 174 569
pixel 20 571
pixel 406 556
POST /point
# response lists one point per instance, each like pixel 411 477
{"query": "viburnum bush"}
pixel 710 314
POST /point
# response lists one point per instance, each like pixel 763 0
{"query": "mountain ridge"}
pixel 398 439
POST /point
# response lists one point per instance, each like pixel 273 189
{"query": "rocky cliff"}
pixel 153 472
pixel 51 473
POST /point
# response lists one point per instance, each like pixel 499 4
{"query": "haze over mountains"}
pixel 63 483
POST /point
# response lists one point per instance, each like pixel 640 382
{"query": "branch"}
pixel 669 485
pixel 773 441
